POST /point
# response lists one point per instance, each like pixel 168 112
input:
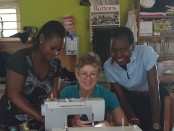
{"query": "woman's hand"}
pixel 102 124
pixel 79 123
pixel 134 121
pixel 15 90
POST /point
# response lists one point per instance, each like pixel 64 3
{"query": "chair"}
pixel 168 112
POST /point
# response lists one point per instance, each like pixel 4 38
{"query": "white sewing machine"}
pixel 57 110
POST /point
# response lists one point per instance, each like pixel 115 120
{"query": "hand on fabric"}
pixel 42 119
pixel 102 124
pixel 80 123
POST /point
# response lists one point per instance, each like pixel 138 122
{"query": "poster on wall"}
pixel 71 44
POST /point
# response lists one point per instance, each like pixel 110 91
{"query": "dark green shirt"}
pixel 111 101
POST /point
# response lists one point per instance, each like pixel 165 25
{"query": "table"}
pixel 116 128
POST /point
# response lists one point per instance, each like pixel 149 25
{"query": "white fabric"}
pixel 147 3
pixel 132 23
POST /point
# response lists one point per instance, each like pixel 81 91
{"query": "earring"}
pixel 56 53
pixel 40 42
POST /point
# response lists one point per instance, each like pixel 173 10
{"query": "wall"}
pixel 125 5
pixel 37 12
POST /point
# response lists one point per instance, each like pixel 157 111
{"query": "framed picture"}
pixel 71 44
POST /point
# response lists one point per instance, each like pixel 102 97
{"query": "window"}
pixel 9 18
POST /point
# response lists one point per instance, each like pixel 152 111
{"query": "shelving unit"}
pixel 160 36
pixel 166 57
pixel 156 37
pixel 166 78
pixel 104 16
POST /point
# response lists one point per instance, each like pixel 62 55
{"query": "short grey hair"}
pixel 89 58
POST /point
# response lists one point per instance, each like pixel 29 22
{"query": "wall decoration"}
pixel 71 44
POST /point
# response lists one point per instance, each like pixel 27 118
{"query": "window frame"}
pixel 11 4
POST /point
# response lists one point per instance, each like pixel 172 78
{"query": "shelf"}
pixel 11 45
pixel 172 94
pixel 11 39
pixel 166 36
pixel 167 78
pixel 156 17
pixel 7 39
pixel 109 25
pixel 166 57
pixel 103 16
pixel 156 36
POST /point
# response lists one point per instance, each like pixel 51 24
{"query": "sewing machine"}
pixel 117 128
pixel 57 110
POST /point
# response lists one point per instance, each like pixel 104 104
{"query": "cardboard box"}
pixel 146 28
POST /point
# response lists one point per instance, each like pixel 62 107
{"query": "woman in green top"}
pixel 87 71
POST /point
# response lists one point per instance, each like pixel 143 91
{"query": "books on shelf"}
pixel 162 47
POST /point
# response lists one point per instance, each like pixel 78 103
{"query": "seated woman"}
pixel 87 71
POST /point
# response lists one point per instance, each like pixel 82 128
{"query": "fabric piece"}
pixel 132 23
pixel 147 3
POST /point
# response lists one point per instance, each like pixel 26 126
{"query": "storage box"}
pixel 146 28
pixel 166 67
